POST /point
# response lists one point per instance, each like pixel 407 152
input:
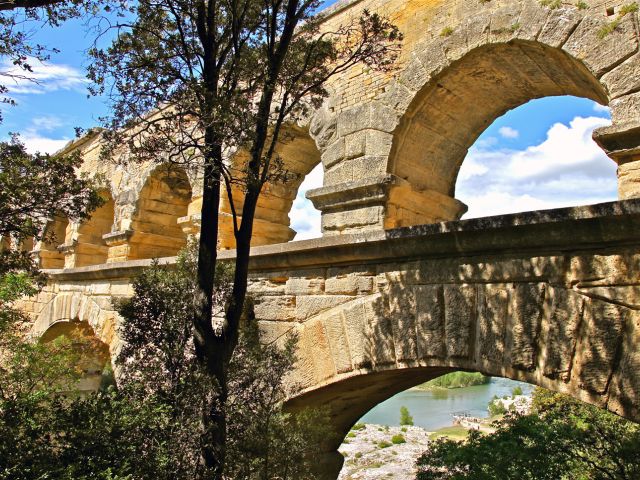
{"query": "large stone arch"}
pixel 548 321
pixel 149 215
pixel 92 357
pixel 297 155
pixel 77 307
pixel 392 161
pixel 84 244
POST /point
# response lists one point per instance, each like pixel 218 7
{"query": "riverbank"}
pixel 370 452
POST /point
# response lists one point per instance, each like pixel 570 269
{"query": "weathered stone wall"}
pixel 391 143
pixel 392 150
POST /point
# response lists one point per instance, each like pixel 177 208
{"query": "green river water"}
pixel 434 409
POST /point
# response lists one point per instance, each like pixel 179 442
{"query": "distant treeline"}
pixel 456 380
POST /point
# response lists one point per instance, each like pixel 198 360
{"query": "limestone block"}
pixel 602 54
pixel 304 286
pixel 623 79
pixel 624 391
pixel 379 332
pixel 460 316
pixel 309 305
pixel 367 217
pixel 504 23
pixel 402 312
pixel 560 24
pixel 333 153
pixel 625 111
pixel 338 343
pixel 374 115
pixel 265 287
pixel 430 321
pixel 598 344
pixel 355 321
pixel 315 351
pixel 527 311
pixel 274 332
pixel 275 308
pixel 349 285
pixel 561 332
pixel 354 144
pixel 623 268
pixel 493 303
pixel 629 180
pixel 532 19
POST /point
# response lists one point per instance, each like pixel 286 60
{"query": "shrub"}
pixel 384 444
pixel 405 418
pixel 397 439
pixel 359 426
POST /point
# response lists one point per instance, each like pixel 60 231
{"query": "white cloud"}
pixel 567 169
pixel 601 108
pixel 35 143
pixel 508 132
pixel 45 77
pixel 305 219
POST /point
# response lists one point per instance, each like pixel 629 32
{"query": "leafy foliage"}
pixel 457 380
pixel 563 439
pixel 405 417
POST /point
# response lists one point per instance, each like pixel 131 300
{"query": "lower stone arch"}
pixel 570 340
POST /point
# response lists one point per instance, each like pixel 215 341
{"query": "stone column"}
pixel 621 142
pixel 380 202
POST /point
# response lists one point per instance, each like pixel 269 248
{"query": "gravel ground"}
pixel 365 459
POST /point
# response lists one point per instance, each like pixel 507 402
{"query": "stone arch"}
pixel 414 328
pixel 92 354
pixel 77 315
pixel 87 246
pixel 49 256
pixel 162 201
pixel 438 127
pixel 299 155
pixel 66 307
pixel 392 161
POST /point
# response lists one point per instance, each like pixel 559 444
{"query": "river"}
pixel 433 409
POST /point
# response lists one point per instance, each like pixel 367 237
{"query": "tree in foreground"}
pixel 562 439
pixel 193 82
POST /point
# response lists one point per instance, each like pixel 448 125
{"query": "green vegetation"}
pixel 384 444
pixel 562 439
pixel 582 5
pixel 405 417
pixel 456 380
pixel 552 4
pixel 359 426
pixel 496 408
pixel 446 32
pixel 611 26
pixel 455 432
pixel 397 439
pixel 516 391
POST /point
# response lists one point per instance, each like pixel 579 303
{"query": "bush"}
pixel 457 380
pixel 496 407
pixel 384 444
pixel 397 439
pixel 516 391
pixel 405 418
pixel 359 426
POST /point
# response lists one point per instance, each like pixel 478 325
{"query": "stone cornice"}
pixel 610 224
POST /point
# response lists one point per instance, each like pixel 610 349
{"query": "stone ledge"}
pixel 562 229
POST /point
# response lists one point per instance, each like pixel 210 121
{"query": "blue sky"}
pixel 539 155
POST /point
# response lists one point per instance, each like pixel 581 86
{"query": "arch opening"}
pixel 88 246
pixel 90 355
pixel 449 114
pixel 537 156
pixel 163 200
pixel 49 255
pixel 296 157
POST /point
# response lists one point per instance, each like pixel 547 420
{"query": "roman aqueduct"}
pixel 398 290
